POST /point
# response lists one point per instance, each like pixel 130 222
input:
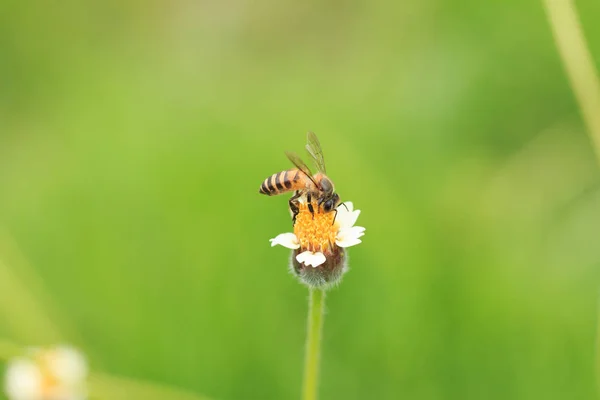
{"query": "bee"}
pixel 318 187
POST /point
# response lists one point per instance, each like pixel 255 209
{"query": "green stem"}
pixel 316 310
pixel 597 350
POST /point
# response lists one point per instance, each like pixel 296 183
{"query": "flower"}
pixel 319 240
pixel 47 374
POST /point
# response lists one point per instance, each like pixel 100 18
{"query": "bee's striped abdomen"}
pixel 282 182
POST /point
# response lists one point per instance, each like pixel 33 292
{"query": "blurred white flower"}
pixel 47 374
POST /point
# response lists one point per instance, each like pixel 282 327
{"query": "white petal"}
pixel 356 231
pixel 317 259
pixel 350 236
pixel 309 258
pixel 68 365
pixel 303 256
pixel 346 217
pixel 349 205
pixel 23 380
pixel 348 242
pixel 353 216
pixel 348 233
pixel 288 240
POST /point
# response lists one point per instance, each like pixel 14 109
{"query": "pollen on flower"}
pixel 315 232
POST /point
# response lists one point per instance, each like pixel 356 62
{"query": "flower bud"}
pixel 324 275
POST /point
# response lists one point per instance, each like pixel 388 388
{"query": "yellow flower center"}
pixel 315 232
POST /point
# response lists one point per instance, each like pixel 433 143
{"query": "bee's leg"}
pixel 293 198
pixel 342 204
pixel 295 210
pixel 334 217
pixel 336 211
pixel 310 206
pixel 293 202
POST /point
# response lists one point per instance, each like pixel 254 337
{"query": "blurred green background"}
pixel 134 137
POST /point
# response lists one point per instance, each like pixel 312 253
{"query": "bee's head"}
pixel 327 198
pixel 331 202
pixel 326 186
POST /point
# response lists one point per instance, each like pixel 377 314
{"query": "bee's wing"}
pixel 297 161
pixel 314 149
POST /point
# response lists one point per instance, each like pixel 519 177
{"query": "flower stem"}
pixel 316 310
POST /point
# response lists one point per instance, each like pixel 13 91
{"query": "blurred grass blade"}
pixel 9 350
pixel 23 315
pixel 582 75
pixel 107 387
pixel 30 312
pixel 578 63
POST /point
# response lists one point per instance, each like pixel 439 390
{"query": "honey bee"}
pixel 318 187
